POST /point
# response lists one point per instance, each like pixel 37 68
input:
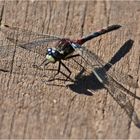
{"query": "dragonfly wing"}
pixel 6 50
pixel 116 90
pixel 91 58
pixel 122 78
pixel 27 39
pixel 119 95
pixel 96 62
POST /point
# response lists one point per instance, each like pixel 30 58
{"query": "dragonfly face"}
pixel 63 50
pixel 51 55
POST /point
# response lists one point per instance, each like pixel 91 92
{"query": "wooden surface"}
pixel 29 108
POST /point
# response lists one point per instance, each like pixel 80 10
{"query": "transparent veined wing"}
pixel 6 49
pixel 27 39
pixel 95 61
pixel 119 95
pixel 113 85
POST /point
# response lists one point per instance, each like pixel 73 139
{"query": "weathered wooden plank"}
pixel 29 108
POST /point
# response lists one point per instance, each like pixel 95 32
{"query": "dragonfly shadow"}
pixel 120 54
pixel 86 84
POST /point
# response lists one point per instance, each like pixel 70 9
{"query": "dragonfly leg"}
pixel 67 77
pixel 71 56
pixel 45 62
pixel 58 71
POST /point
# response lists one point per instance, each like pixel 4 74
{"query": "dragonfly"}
pixel 65 49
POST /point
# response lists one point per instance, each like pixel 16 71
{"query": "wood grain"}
pixel 29 108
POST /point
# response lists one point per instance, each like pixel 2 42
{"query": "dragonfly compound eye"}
pixel 49 51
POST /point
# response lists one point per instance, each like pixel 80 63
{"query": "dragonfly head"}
pixel 50 55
